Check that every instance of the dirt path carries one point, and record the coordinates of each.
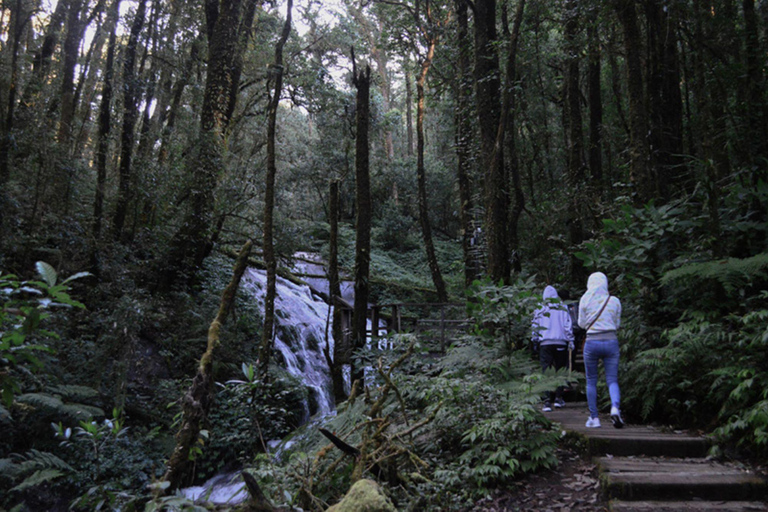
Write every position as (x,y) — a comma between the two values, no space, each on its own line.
(572,486)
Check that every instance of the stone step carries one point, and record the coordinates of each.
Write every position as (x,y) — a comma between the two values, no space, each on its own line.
(677,480)
(688,506)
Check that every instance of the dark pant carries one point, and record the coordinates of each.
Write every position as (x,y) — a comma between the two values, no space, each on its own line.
(553,356)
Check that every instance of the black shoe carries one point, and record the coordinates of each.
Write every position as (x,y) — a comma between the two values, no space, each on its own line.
(616,417)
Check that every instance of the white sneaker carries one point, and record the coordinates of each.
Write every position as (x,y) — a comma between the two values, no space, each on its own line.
(593,423)
(616,417)
(559,402)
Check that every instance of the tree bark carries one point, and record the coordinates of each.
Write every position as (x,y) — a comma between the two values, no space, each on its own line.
(269,200)
(341,348)
(487,97)
(464,143)
(18,21)
(639,152)
(508,132)
(130,114)
(426,229)
(189,246)
(664,97)
(362,82)
(70,49)
(576,168)
(105,123)
(197,402)
(408,111)
(595,100)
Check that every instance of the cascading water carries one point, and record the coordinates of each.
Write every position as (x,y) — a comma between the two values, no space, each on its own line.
(300,336)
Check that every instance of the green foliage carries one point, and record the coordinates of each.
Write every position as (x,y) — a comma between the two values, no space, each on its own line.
(634,244)
(719,287)
(248,413)
(26,306)
(504,312)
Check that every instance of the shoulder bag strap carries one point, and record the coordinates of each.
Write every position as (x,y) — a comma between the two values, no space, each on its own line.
(593,322)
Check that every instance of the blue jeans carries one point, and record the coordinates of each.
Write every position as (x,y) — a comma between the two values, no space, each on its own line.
(608,351)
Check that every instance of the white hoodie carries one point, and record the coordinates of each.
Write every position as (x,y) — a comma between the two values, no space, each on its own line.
(593,300)
(551,322)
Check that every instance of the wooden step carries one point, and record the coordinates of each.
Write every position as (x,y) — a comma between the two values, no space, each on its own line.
(678,479)
(627,441)
(687,506)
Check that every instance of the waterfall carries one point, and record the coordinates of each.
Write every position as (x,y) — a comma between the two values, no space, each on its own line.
(300,331)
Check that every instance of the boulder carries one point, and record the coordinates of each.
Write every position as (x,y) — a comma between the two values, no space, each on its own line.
(364,496)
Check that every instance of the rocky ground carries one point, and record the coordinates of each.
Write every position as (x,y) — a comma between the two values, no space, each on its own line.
(572,486)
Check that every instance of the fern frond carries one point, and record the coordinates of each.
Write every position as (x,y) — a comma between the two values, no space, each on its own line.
(82,412)
(731,273)
(38,477)
(8,469)
(53,404)
(36,460)
(75,393)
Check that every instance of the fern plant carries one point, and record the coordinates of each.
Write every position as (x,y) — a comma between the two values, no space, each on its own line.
(31,469)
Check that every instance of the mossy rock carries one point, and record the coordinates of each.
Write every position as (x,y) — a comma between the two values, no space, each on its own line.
(364,496)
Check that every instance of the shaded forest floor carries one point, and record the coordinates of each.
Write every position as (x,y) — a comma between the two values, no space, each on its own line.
(572,486)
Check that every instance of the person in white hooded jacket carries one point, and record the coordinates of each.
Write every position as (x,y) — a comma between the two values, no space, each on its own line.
(552,335)
(600,315)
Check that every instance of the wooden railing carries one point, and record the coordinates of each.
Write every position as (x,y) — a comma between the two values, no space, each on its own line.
(439,322)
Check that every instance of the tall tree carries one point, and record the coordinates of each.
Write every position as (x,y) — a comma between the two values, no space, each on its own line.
(639,152)
(19,18)
(228,21)
(507,132)
(270,259)
(594,94)
(464,131)
(487,98)
(664,97)
(105,122)
(130,114)
(341,349)
(574,136)
(363,209)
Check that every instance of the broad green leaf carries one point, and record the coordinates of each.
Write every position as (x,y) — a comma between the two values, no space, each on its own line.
(47,272)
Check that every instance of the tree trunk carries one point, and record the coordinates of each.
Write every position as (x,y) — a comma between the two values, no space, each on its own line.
(17,23)
(426,229)
(341,349)
(197,402)
(464,143)
(487,97)
(575,173)
(408,110)
(508,132)
(639,152)
(595,101)
(105,123)
(755,104)
(70,51)
(362,82)
(130,114)
(269,200)
(189,246)
(664,96)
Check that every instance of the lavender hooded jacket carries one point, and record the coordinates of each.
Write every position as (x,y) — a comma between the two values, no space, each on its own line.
(551,322)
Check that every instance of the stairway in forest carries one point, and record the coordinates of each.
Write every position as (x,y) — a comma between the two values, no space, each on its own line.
(644,468)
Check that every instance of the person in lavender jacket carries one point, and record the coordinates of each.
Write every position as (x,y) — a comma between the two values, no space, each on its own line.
(600,314)
(552,335)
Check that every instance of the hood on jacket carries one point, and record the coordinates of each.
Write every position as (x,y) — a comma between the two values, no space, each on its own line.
(550,293)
